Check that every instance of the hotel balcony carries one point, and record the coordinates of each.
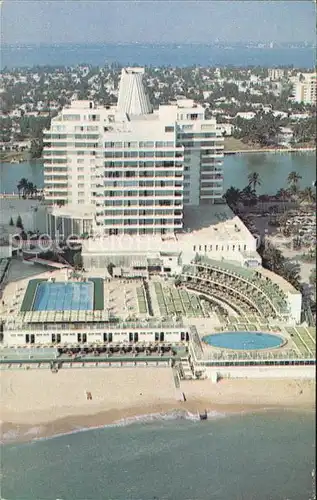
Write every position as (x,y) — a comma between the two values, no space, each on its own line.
(52,182)
(211,179)
(62,189)
(178,225)
(54,173)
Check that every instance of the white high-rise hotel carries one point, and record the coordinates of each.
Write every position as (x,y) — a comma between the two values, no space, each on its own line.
(131,167)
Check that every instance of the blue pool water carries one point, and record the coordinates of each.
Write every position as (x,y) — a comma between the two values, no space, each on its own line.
(244,341)
(64,297)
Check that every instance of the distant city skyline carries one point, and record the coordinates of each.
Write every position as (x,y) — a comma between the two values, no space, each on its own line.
(159,21)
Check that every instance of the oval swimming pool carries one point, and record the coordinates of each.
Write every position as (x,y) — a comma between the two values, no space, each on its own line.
(244,341)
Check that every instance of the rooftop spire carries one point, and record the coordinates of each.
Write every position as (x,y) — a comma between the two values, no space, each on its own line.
(133,98)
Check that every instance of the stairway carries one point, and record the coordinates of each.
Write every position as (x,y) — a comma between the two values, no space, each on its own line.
(186,369)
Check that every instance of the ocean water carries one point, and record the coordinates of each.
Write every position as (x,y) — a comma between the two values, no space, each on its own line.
(273,169)
(263,456)
(154,55)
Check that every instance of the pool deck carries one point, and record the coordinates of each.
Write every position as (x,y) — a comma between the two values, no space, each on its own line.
(119,296)
(260,345)
(121,300)
(300,341)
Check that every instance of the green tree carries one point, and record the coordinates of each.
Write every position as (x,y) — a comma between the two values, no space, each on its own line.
(232,196)
(11,223)
(36,148)
(30,189)
(19,223)
(293,178)
(284,195)
(262,129)
(248,196)
(22,186)
(254,180)
(305,130)
(293,183)
(273,259)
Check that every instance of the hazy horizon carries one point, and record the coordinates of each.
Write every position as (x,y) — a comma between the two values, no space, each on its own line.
(29,22)
(222,42)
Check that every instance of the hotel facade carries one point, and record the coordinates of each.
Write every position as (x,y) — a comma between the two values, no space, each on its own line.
(129,169)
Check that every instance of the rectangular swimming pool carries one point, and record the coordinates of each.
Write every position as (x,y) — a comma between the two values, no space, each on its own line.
(64,297)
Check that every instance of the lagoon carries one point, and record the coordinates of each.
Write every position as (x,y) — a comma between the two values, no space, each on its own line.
(273,169)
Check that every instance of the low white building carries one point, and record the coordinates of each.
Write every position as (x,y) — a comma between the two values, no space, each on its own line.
(246,115)
(225,128)
(216,233)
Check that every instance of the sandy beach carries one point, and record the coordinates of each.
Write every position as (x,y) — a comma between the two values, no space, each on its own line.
(38,403)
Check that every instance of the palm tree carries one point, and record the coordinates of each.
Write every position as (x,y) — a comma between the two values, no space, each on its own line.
(31,189)
(293,178)
(283,194)
(22,186)
(254,180)
(294,190)
(248,196)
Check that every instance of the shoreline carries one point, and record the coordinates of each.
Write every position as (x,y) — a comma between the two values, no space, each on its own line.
(276,150)
(38,404)
(18,433)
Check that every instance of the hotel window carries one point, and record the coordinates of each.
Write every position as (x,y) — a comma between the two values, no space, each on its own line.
(71,117)
(169,129)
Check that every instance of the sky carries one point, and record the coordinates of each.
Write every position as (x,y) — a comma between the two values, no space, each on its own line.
(82,21)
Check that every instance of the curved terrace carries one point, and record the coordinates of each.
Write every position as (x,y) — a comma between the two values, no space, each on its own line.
(246,290)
